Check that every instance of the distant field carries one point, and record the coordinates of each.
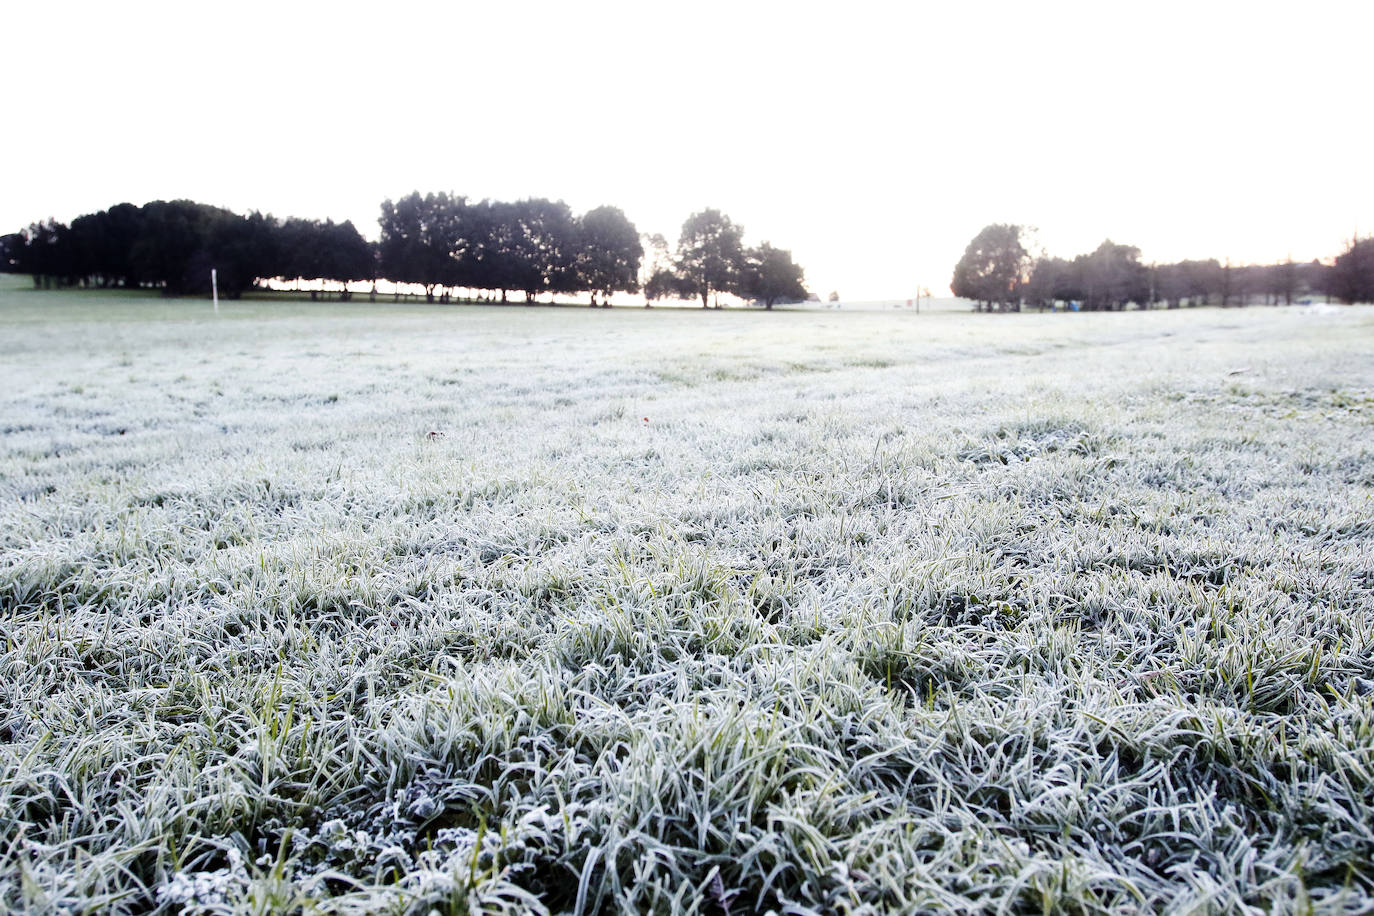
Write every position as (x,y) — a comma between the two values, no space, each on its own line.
(369,609)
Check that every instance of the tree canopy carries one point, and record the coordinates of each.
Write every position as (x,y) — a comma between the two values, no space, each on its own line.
(993,267)
(1353,274)
(996,271)
(710,254)
(314,250)
(770,275)
(608,252)
(439,241)
(169,245)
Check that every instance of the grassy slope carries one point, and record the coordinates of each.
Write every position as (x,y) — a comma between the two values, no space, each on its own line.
(874,611)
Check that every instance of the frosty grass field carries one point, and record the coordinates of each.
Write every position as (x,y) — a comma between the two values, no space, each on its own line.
(354,608)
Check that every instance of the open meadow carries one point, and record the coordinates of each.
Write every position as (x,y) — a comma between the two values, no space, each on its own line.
(355,608)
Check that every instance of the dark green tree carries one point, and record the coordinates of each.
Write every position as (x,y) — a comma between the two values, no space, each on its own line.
(664,283)
(545,247)
(710,255)
(1200,280)
(1051,280)
(993,268)
(770,275)
(1283,281)
(398,248)
(86,239)
(47,254)
(104,243)
(348,256)
(1318,279)
(499,252)
(421,240)
(11,252)
(1113,276)
(1352,280)
(608,253)
(1171,284)
(240,249)
(299,249)
(314,250)
(171,236)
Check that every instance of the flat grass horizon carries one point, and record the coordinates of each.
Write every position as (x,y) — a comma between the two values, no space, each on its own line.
(354,608)
(21,285)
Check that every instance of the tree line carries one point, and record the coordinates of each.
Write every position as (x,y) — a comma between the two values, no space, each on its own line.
(999,272)
(442,242)
(173,245)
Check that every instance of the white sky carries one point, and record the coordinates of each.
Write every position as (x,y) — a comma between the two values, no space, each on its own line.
(872,139)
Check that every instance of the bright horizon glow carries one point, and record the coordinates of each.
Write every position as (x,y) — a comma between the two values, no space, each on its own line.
(872,144)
